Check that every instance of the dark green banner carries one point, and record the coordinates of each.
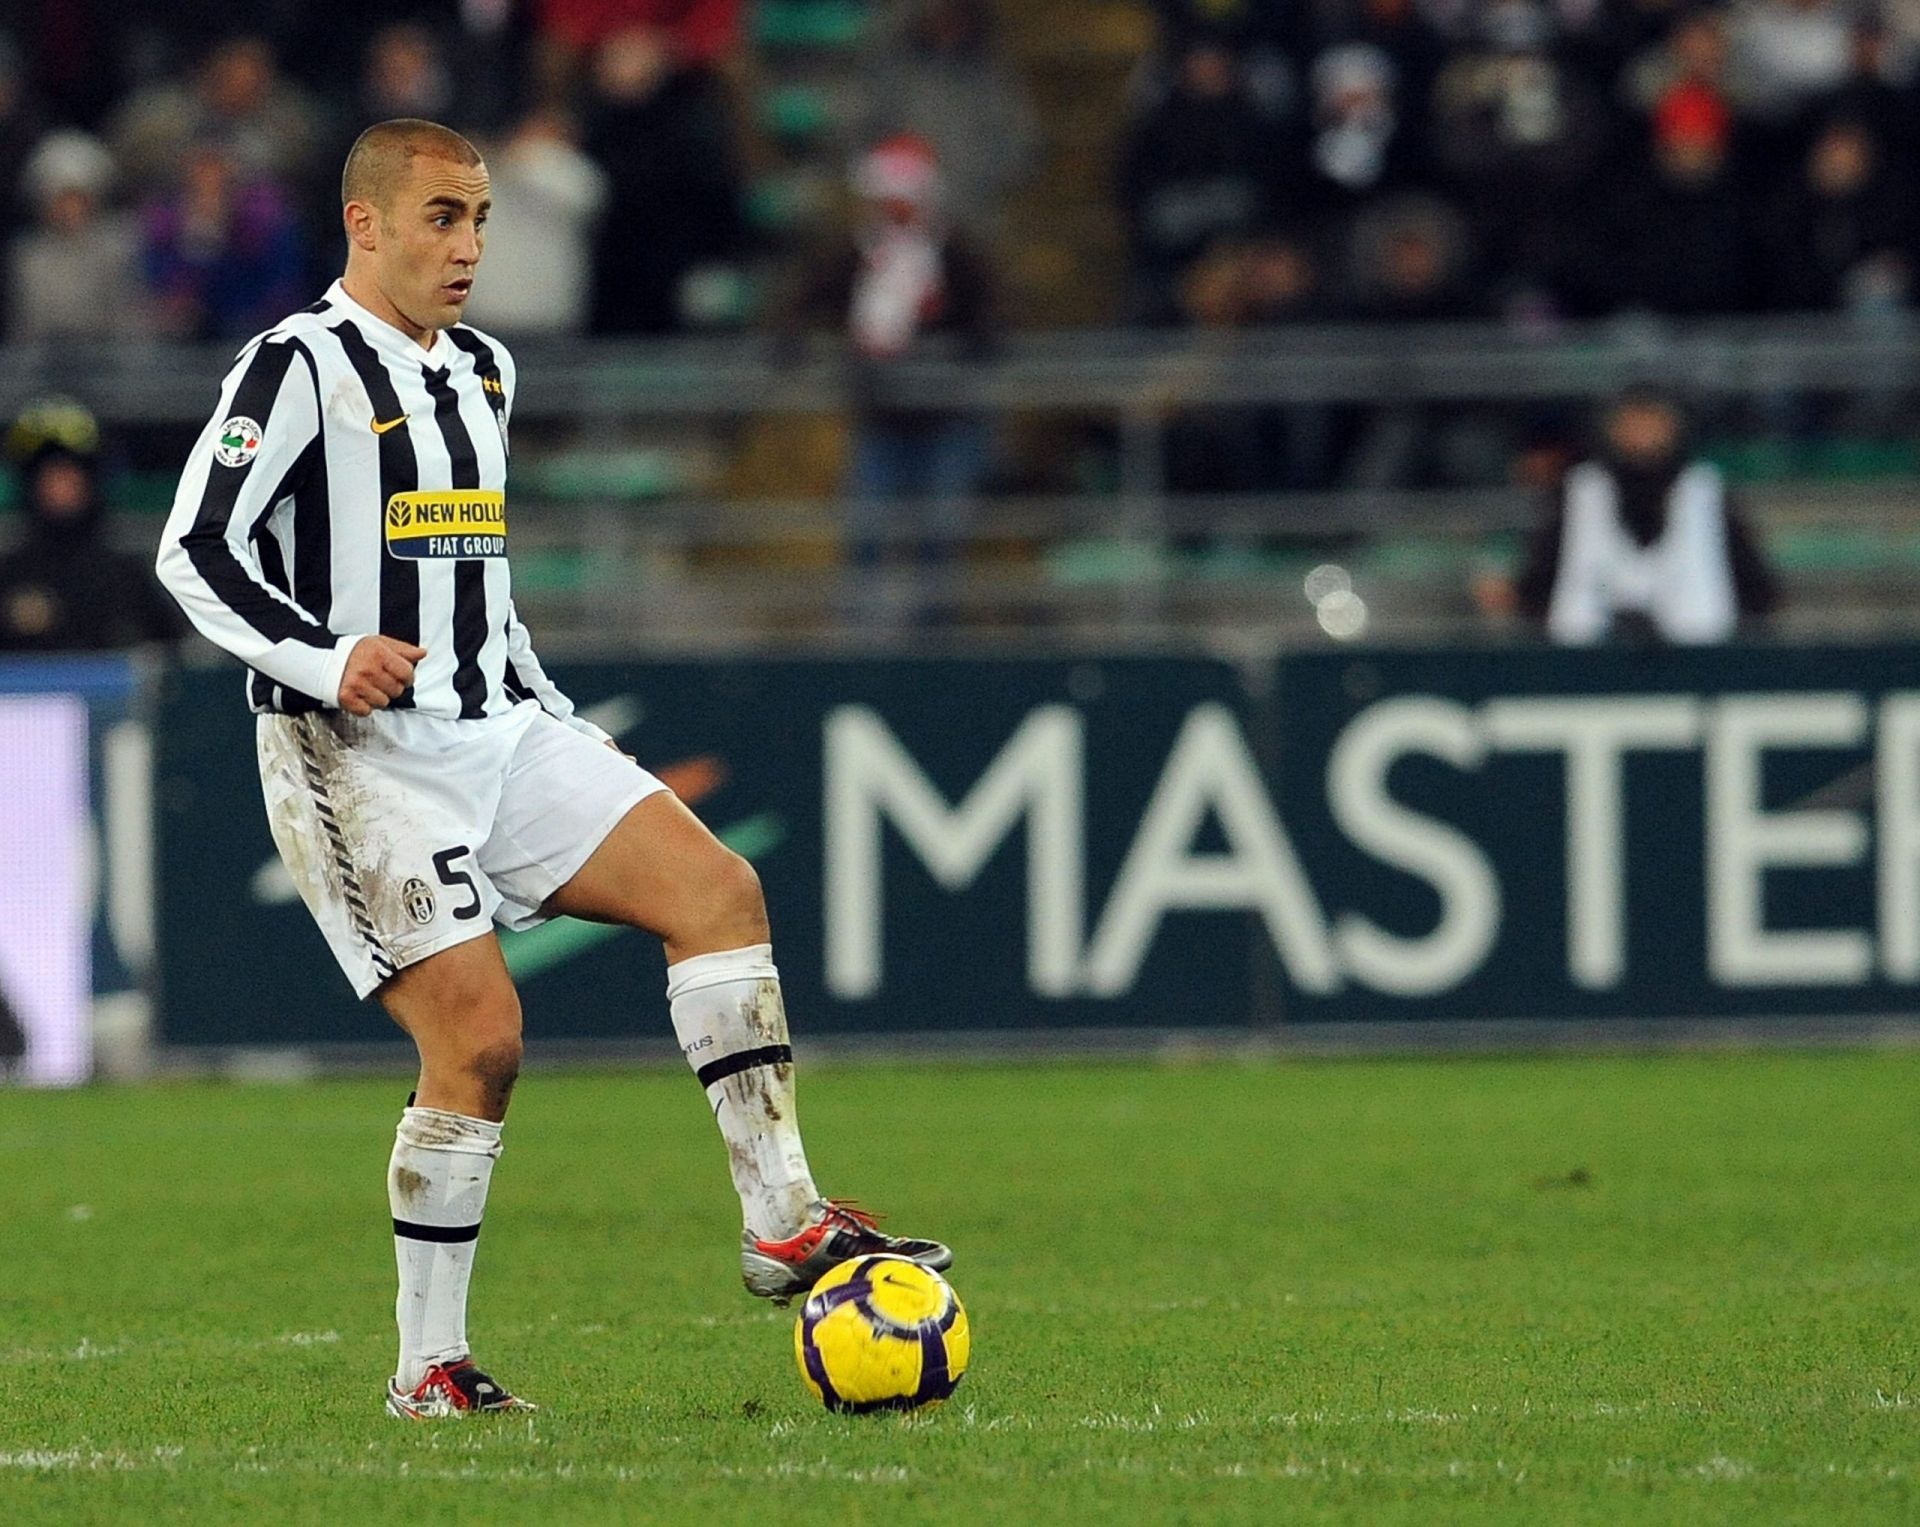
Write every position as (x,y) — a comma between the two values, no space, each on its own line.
(938,841)
(1607,834)
(954,846)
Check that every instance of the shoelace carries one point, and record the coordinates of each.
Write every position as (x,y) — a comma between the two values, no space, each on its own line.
(467,1378)
(849,1209)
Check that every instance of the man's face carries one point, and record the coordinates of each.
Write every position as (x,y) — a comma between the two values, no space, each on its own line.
(61,489)
(1644,432)
(429,237)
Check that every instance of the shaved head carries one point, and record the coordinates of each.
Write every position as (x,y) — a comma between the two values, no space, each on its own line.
(382,157)
(414,203)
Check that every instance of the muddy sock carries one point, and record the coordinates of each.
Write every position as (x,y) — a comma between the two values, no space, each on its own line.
(732,1027)
(437,1188)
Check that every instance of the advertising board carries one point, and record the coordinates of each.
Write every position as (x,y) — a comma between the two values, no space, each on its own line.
(1123,842)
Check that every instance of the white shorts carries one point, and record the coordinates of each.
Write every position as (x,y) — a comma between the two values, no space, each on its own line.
(407,834)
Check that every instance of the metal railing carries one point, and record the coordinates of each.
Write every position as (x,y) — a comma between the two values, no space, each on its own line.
(1101,370)
(696,566)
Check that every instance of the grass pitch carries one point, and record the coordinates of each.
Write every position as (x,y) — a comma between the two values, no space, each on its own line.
(1573,1290)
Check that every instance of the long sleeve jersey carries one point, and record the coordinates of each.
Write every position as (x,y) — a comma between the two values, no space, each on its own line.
(352,482)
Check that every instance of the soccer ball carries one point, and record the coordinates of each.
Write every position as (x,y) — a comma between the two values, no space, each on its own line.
(881,1333)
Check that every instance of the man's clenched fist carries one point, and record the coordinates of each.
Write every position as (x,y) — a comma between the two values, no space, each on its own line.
(379,669)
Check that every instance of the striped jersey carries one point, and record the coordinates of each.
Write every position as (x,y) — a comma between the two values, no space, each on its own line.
(351,483)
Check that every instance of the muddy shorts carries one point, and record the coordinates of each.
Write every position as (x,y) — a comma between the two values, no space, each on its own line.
(407,834)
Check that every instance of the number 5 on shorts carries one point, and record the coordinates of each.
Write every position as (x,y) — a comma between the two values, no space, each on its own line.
(449,876)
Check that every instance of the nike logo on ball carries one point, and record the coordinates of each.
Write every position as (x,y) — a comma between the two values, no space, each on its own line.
(380,428)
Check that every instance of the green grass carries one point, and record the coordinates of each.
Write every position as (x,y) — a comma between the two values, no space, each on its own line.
(1575,1290)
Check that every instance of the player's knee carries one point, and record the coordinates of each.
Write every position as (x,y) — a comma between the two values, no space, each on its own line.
(495,1065)
(722,907)
(490,1031)
(738,905)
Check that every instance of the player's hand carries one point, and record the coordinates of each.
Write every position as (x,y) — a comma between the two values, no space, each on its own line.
(379,669)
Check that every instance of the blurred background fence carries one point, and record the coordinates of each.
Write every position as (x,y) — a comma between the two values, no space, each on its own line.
(664,492)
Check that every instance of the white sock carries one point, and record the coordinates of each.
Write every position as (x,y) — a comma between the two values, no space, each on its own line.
(732,1027)
(437,1187)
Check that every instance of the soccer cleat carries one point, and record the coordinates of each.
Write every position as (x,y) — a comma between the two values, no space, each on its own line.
(451,1389)
(838,1232)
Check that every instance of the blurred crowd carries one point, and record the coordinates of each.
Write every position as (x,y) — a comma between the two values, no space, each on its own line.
(174,171)
(171,170)
(1431,159)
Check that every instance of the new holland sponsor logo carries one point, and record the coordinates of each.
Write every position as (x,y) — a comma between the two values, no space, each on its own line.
(469,522)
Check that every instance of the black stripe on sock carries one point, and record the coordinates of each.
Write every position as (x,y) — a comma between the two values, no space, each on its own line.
(444,1234)
(743,1060)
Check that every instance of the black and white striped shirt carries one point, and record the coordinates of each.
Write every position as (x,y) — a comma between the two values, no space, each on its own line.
(352,483)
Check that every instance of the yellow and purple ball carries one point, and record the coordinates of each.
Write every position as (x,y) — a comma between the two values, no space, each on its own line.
(881,1333)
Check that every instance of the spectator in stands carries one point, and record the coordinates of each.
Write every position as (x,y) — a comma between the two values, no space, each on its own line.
(1675,237)
(224,255)
(404,71)
(76,273)
(237,98)
(690,35)
(1521,137)
(1693,56)
(1841,233)
(907,277)
(1243,26)
(1881,92)
(1268,280)
(660,129)
(469,55)
(547,198)
(1268,40)
(1410,260)
(1196,168)
(406,75)
(936,72)
(1405,32)
(1786,53)
(65,589)
(1360,145)
(1644,539)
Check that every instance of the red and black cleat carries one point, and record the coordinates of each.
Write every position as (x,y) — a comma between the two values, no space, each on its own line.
(451,1389)
(838,1231)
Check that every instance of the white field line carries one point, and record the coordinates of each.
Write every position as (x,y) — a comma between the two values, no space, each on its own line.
(1319,1468)
(89,1460)
(88,1350)
(1156,1420)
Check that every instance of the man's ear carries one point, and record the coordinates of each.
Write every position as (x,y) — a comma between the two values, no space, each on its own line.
(358,218)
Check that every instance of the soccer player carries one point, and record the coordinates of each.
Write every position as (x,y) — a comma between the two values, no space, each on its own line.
(341,528)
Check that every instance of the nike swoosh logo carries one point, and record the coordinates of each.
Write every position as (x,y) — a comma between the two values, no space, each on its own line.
(381,429)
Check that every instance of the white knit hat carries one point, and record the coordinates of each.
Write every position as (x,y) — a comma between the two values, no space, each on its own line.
(68,160)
